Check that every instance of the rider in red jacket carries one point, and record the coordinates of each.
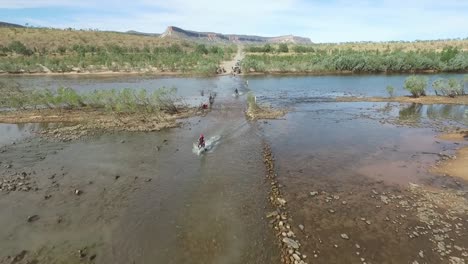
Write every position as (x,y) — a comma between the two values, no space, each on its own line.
(201,141)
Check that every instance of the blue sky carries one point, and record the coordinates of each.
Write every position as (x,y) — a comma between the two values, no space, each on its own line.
(320,20)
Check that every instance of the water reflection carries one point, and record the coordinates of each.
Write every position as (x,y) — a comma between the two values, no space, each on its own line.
(413,113)
(416,112)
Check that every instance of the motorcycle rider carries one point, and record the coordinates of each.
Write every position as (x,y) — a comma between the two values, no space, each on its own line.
(201,141)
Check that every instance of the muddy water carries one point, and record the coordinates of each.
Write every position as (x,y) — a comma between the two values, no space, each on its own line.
(147,198)
(206,209)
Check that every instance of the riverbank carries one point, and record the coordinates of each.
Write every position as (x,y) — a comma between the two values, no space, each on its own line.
(430,99)
(109,73)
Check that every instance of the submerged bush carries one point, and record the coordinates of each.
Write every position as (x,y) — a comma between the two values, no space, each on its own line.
(449,87)
(416,85)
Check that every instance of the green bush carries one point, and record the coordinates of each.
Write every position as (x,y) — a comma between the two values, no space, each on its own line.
(416,85)
(19,48)
(201,48)
(451,87)
(390,91)
(283,47)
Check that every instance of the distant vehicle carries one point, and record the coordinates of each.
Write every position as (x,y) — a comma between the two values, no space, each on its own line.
(236,69)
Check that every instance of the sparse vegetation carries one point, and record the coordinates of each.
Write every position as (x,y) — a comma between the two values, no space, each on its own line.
(254,111)
(252,101)
(416,85)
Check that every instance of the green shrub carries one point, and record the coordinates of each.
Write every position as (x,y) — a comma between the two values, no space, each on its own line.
(451,87)
(416,85)
(19,48)
(390,91)
(283,47)
(201,48)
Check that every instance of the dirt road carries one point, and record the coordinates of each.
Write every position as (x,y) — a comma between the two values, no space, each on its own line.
(228,65)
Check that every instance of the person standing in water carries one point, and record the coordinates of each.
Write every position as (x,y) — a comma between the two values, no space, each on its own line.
(236,92)
(211,99)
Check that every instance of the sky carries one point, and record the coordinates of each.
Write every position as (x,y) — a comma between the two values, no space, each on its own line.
(320,20)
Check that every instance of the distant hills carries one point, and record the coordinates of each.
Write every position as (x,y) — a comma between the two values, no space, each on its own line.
(176,32)
(179,33)
(5,24)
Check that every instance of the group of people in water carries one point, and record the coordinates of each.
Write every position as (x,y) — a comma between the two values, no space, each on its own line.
(201,139)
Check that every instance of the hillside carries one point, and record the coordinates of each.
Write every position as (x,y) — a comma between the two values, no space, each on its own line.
(5,24)
(53,39)
(175,32)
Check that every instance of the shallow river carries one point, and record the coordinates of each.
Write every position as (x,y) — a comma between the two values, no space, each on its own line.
(169,205)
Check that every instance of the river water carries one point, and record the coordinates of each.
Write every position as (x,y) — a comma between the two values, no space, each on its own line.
(172,206)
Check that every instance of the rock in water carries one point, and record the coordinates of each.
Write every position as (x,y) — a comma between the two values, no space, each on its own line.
(33,218)
(345,236)
(291,243)
(281,201)
(384,199)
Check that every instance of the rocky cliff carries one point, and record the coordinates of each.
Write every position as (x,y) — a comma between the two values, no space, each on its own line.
(176,32)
